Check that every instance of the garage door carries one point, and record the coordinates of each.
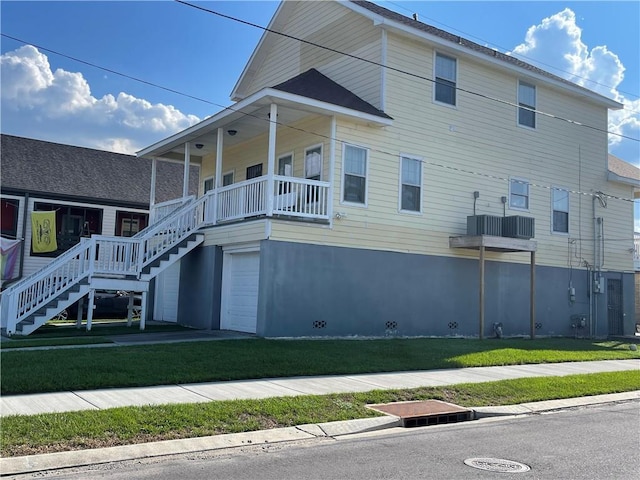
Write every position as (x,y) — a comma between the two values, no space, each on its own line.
(240,279)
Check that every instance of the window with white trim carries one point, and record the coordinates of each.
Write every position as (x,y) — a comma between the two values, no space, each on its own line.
(227,178)
(445,76)
(527,105)
(208,184)
(313,163)
(354,182)
(560,210)
(285,165)
(410,184)
(519,194)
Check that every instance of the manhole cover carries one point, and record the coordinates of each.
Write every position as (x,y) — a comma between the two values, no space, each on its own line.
(497,465)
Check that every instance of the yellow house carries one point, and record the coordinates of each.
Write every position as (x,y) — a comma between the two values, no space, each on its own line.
(378,176)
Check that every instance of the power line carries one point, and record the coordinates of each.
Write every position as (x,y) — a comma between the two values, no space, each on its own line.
(404,72)
(505,49)
(320,135)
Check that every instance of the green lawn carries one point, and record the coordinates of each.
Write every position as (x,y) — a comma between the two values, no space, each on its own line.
(28,435)
(160,364)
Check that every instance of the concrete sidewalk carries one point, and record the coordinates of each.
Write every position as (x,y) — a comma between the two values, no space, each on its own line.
(287,387)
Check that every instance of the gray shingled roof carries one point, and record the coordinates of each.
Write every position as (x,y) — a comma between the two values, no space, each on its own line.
(313,84)
(45,168)
(410,22)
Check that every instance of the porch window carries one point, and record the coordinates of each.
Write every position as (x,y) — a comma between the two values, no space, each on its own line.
(527,103)
(227,178)
(355,174)
(9,217)
(445,75)
(208,184)
(130,223)
(410,184)
(313,163)
(560,213)
(519,194)
(285,165)
(254,171)
(72,223)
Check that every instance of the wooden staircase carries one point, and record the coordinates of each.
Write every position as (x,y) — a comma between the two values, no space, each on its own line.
(101,263)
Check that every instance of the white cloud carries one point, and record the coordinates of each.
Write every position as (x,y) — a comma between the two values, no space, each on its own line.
(58,106)
(557,41)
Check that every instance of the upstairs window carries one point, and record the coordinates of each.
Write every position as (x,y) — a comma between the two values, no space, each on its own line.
(285,165)
(560,206)
(354,183)
(519,194)
(410,184)
(527,103)
(313,163)
(445,74)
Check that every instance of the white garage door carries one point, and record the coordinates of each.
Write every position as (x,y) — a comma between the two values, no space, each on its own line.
(240,278)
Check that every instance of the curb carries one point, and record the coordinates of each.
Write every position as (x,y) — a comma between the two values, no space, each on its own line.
(81,458)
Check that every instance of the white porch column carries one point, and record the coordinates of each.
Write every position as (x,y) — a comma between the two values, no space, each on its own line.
(332,167)
(271,159)
(218,178)
(187,159)
(219,147)
(152,193)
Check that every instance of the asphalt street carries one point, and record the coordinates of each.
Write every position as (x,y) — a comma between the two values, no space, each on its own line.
(593,442)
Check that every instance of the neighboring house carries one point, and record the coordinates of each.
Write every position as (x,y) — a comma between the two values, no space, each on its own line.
(625,173)
(91,191)
(335,193)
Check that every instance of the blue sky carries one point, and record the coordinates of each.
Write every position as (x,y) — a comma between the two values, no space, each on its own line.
(47,96)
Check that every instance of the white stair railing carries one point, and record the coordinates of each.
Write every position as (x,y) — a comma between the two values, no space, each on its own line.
(33,292)
(97,256)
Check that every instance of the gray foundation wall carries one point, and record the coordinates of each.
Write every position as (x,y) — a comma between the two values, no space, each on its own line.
(200,287)
(313,290)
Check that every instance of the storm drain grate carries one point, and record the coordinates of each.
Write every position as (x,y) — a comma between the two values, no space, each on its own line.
(425,413)
(319,324)
(391,325)
(497,465)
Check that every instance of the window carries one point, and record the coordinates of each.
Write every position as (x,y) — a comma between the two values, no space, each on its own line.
(208,184)
(130,223)
(313,163)
(355,174)
(9,217)
(72,223)
(445,84)
(560,206)
(227,178)
(254,171)
(410,184)
(285,165)
(519,194)
(527,101)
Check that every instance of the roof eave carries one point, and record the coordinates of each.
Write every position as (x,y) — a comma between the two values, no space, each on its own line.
(274,96)
(614,177)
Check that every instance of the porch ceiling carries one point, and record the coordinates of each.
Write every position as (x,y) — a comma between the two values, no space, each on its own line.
(248,118)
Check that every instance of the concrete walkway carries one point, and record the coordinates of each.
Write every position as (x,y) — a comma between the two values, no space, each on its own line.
(287,387)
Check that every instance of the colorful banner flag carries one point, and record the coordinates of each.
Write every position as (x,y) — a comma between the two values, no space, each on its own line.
(9,258)
(43,232)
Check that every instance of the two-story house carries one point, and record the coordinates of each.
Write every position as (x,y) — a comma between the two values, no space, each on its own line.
(335,192)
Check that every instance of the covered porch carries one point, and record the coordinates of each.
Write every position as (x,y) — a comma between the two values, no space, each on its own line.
(271,154)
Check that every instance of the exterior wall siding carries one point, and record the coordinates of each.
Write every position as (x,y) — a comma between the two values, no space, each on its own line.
(200,287)
(358,292)
(331,25)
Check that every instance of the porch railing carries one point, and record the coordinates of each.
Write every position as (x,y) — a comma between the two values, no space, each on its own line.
(164,209)
(295,197)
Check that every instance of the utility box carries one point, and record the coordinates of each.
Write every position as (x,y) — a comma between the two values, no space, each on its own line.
(484,225)
(517,226)
(579,321)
